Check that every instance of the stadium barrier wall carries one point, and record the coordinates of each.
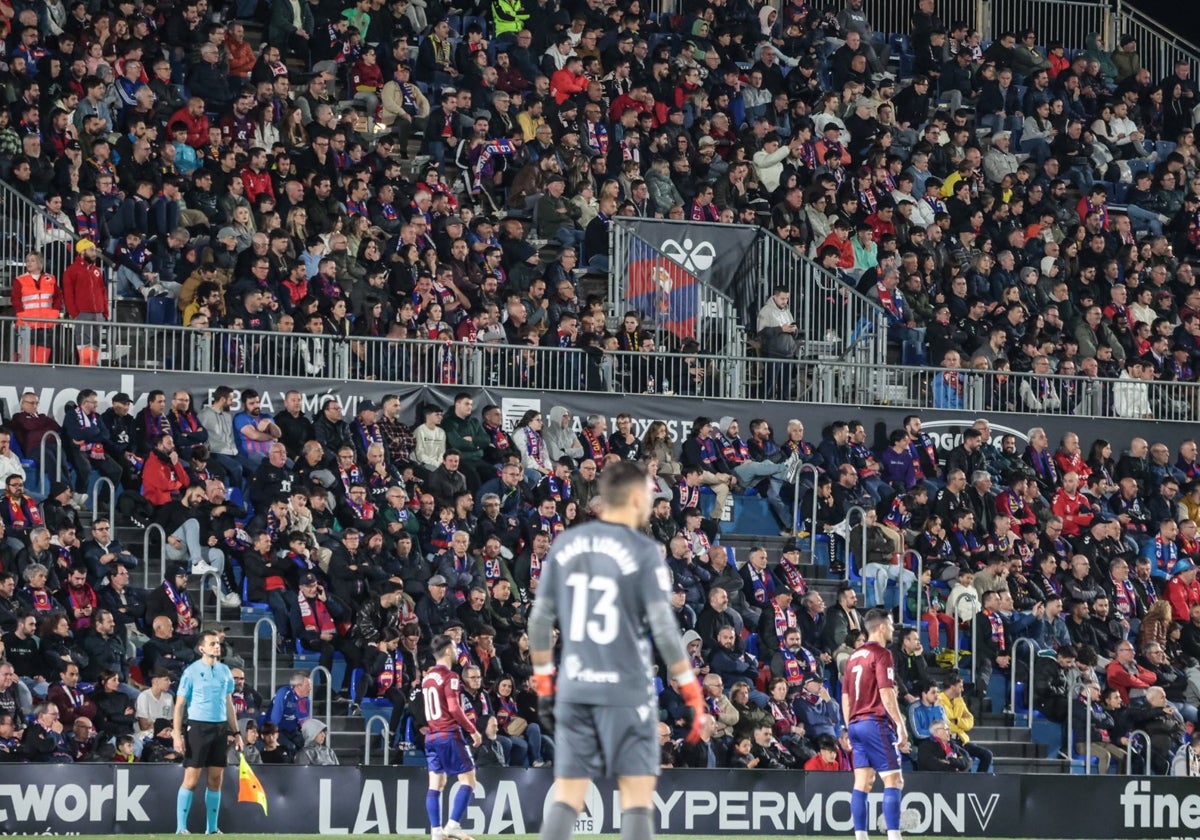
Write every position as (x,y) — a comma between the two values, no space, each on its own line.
(58,386)
(140,799)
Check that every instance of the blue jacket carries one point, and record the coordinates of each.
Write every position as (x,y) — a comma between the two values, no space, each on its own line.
(289,711)
(921,717)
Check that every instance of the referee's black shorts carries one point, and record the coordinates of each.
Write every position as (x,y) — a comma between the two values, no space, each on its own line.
(206,744)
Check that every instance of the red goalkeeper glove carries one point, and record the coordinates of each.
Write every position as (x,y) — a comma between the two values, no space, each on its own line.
(698,711)
(544,686)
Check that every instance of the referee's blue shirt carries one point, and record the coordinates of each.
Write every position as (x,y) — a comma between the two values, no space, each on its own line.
(206,687)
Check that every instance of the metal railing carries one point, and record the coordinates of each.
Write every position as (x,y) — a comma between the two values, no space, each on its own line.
(312,676)
(833,321)
(205,579)
(101,482)
(58,460)
(903,595)
(862,554)
(1158,46)
(386,731)
(1067,22)
(1012,691)
(1144,737)
(671,296)
(812,522)
(274,652)
(823,381)
(958,635)
(162,539)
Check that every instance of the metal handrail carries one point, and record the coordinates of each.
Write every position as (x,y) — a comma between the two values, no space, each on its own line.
(958,637)
(920,574)
(1012,693)
(1145,737)
(862,557)
(274,651)
(1087,741)
(150,529)
(812,534)
(217,578)
(312,675)
(974,640)
(112,499)
(386,732)
(1073,682)
(58,462)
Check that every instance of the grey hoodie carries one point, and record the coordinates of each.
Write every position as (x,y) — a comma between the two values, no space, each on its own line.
(314,753)
(560,441)
(252,751)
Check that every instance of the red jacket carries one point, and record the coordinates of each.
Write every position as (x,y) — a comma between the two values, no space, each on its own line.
(257,183)
(1122,680)
(1075,511)
(846,247)
(197,127)
(84,289)
(564,84)
(162,481)
(1182,597)
(366,78)
(241,59)
(1073,463)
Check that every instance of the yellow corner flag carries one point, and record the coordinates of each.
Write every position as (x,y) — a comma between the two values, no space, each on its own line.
(249,787)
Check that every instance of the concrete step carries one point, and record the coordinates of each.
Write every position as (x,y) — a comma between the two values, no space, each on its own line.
(1012,749)
(1011,734)
(1025,766)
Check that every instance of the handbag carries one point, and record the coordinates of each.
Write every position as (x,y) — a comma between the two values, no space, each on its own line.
(516,726)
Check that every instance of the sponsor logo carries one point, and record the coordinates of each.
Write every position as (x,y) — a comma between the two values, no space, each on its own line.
(694,257)
(591,818)
(574,671)
(1142,808)
(74,803)
(947,434)
(512,409)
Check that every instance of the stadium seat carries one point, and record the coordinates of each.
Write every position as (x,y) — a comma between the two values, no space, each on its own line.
(751,515)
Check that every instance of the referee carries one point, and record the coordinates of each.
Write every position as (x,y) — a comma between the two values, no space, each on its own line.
(206,689)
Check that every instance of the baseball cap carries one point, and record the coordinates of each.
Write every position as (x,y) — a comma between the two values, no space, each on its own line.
(121,397)
(226,233)
(307,579)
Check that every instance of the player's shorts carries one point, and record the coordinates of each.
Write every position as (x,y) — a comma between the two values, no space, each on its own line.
(447,752)
(206,744)
(595,741)
(875,745)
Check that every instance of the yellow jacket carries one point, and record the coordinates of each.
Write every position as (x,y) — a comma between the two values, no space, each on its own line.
(959,716)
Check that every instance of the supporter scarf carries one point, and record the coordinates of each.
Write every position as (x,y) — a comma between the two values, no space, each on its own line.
(442,534)
(1182,373)
(506,709)
(410,100)
(87,225)
(356,208)
(42,602)
(896,517)
(997,629)
(703,213)
(552,526)
(499,146)
(802,448)
(535,567)
(316,616)
(688,496)
(597,137)
(274,525)
(1100,210)
(597,446)
(784,619)
(350,477)
(796,666)
(698,540)
(498,437)
(80,599)
(493,569)
(733,451)
(862,453)
(708,451)
(24,513)
(183,607)
(935,204)
(631,341)
(463,656)
(1016,505)
(1124,596)
(369,435)
(533,444)
(448,366)
(1165,554)
(953,382)
(965,539)
(187,421)
(73,694)
(867,201)
(784,715)
(560,491)
(90,449)
(763,585)
(794,578)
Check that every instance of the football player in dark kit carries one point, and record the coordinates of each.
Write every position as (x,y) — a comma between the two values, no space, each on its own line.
(607,587)
(875,723)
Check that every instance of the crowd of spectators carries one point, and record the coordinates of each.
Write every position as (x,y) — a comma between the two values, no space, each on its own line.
(366,537)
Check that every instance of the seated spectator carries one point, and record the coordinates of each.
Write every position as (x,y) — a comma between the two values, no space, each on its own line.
(290,709)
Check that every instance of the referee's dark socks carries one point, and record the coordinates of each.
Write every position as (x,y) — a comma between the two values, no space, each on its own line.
(637,824)
(560,822)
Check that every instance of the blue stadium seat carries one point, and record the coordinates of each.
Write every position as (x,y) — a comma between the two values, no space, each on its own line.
(752,644)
